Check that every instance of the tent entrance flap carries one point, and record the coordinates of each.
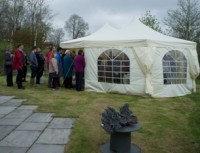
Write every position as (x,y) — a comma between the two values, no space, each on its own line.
(144,57)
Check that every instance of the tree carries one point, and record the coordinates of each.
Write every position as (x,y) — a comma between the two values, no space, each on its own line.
(56,36)
(2,6)
(25,21)
(184,22)
(14,16)
(76,26)
(3,29)
(37,19)
(151,21)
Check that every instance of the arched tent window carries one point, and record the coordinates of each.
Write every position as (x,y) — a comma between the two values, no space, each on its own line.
(174,68)
(113,67)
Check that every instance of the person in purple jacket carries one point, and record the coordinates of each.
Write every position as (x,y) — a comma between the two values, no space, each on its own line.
(33,65)
(79,63)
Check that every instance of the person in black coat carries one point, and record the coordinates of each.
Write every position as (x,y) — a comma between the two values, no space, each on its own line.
(26,63)
(41,61)
(8,66)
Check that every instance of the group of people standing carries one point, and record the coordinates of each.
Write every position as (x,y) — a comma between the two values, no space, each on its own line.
(65,64)
(19,62)
(61,66)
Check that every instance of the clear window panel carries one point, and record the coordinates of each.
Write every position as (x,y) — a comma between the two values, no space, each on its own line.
(113,67)
(174,68)
(101,79)
(101,68)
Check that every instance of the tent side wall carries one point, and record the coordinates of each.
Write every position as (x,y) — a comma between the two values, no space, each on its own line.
(136,85)
(168,90)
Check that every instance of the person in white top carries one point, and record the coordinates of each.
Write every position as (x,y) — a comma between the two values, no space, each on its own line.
(53,70)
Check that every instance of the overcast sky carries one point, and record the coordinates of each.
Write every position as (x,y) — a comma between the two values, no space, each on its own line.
(117,13)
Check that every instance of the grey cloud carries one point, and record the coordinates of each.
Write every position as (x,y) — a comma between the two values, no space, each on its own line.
(115,12)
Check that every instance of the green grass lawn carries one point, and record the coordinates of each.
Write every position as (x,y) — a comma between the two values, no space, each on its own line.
(169,125)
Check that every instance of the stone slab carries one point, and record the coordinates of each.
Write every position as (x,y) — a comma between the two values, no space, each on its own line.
(13,150)
(5,130)
(40,117)
(4,99)
(1,116)
(32,126)
(17,100)
(20,139)
(61,123)
(19,114)
(28,107)
(40,148)
(6,109)
(12,104)
(54,136)
(11,121)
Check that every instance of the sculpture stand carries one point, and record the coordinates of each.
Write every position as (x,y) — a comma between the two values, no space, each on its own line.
(120,141)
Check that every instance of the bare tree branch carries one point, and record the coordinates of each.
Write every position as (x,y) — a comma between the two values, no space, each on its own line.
(184,22)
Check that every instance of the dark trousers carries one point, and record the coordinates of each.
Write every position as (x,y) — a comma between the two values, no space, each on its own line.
(68,82)
(19,78)
(9,79)
(24,73)
(79,80)
(33,71)
(55,82)
(50,80)
(39,74)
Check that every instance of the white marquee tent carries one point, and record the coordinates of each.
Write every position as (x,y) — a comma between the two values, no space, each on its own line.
(138,60)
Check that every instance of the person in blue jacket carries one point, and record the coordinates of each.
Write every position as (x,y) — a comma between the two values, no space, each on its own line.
(60,63)
(67,69)
(8,66)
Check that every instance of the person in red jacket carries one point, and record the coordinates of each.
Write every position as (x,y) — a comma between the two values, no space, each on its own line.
(18,64)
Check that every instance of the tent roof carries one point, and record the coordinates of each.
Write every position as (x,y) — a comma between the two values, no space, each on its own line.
(134,34)
(99,35)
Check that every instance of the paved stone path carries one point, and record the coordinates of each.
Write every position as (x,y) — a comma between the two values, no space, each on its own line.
(22,131)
